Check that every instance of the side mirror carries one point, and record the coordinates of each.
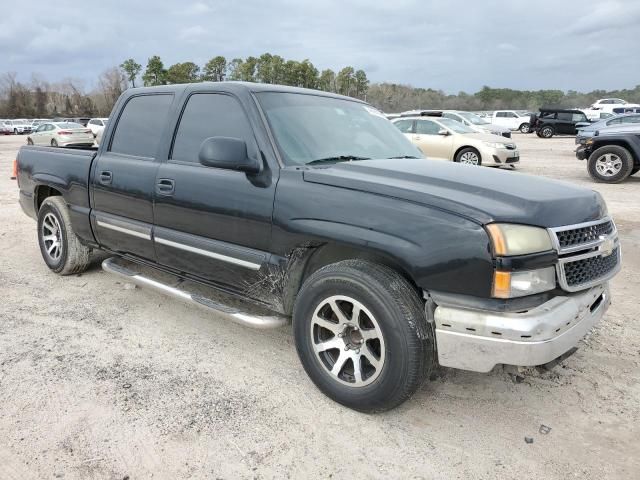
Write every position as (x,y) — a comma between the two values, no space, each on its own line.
(229,153)
(443,131)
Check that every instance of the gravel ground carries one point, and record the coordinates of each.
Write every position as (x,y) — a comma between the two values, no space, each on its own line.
(101,381)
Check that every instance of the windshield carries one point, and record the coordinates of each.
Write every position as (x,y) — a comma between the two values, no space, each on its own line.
(473,118)
(454,125)
(309,128)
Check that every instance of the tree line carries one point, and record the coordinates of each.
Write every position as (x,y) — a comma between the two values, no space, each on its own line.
(41,98)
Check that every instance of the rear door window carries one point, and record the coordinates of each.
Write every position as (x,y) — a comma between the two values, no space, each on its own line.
(427,127)
(405,126)
(565,116)
(209,115)
(141,125)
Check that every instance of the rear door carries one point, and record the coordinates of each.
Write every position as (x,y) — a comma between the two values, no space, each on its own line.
(124,176)
(212,222)
(564,123)
(432,144)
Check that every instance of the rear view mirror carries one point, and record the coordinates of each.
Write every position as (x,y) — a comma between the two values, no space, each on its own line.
(229,153)
(443,131)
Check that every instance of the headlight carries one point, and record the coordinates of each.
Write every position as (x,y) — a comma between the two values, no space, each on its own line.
(495,145)
(510,239)
(520,284)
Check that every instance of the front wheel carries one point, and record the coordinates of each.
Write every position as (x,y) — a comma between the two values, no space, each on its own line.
(524,128)
(362,336)
(610,164)
(60,247)
(469,156)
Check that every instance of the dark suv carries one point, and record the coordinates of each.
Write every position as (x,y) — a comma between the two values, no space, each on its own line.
(551,121)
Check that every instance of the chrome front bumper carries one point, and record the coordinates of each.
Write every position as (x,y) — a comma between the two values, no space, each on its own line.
(478,340)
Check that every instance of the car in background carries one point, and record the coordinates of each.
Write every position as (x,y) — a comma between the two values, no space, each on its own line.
(586,131)
(552,121)
(609,105)
(442,138)
(81,120)
(510,119)
(20,126)
(6,128)
(61,134)
(96,125)
(471,120)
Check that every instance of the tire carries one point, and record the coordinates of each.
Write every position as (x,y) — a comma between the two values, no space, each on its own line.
(29,141)
(524,128)
(547,131)
(15,131)
(398,349)
(54,142)
(610,164)
(634,170)
(469,156)
(70,256)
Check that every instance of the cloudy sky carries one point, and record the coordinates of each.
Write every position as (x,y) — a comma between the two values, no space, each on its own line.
(445,44)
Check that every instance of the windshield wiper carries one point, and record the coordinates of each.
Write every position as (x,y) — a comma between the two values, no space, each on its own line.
(402,156)
(338,158)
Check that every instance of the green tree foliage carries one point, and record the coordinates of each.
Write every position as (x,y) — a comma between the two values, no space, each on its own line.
(345,81)
(131,69)
(215,69)
(187,72)
(361,83)
(327,81)
(155,74)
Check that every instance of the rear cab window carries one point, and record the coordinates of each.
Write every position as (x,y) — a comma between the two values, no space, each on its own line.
(141,124)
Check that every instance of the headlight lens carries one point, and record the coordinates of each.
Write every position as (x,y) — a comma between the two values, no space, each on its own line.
(510,239)
(520,284)
(495,145)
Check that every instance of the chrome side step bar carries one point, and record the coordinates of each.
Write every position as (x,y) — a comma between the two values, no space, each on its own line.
(110,265)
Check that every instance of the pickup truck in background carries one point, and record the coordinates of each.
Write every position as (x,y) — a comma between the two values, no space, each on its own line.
(510,119)
(315,209)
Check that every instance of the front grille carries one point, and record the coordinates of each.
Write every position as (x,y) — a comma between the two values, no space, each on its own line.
(583,235)
(590,269)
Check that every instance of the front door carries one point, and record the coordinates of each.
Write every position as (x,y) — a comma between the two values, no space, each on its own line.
(211,222)
(124,174)
(431,142)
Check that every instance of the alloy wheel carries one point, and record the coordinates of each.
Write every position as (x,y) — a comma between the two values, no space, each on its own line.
(608,165)
(52,237)
(347,341)
(470,158)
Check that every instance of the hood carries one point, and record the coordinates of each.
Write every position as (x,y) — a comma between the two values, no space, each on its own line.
(480,194)
(489,137)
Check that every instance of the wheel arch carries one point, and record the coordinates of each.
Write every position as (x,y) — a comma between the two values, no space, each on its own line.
(42,192)
(304,260)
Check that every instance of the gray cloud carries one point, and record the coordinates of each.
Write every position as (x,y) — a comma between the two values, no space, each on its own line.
(455,45)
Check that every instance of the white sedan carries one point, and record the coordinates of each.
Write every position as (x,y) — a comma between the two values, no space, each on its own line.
(61,134)
(97,125)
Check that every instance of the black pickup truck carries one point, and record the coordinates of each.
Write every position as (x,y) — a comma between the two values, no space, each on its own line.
(316,207)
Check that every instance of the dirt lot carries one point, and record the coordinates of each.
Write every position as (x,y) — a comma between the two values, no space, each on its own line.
(101,381)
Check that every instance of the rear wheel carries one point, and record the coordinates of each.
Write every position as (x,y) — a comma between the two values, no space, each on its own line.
(469,156)
(362,336)
(524,128)
(60,247)
(547,132)
(610,164)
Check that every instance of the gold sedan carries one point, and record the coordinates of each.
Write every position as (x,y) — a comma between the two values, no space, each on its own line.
(445,139)
(61,134)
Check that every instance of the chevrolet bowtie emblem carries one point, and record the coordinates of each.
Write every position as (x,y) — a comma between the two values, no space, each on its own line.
(607,246)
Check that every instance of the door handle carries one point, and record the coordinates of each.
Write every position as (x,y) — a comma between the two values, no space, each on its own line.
(106,177)
(165,186)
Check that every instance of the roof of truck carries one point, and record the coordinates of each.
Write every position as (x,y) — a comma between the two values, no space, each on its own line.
(236,87)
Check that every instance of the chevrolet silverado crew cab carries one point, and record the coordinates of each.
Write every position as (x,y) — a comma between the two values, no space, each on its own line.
(316,209)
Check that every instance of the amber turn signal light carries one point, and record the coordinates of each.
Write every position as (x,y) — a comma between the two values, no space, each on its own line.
(501,284)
